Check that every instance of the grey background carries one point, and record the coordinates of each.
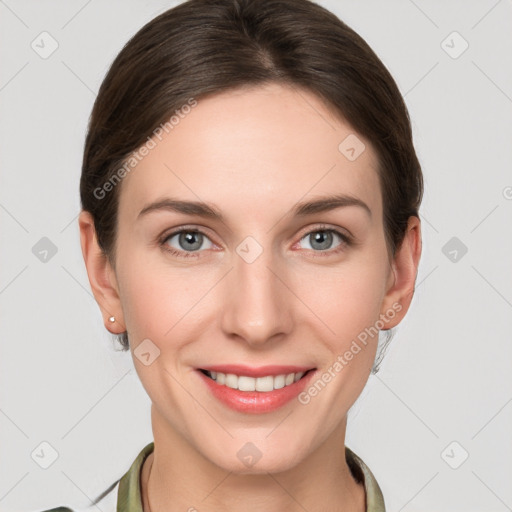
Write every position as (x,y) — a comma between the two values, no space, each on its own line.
(447,374)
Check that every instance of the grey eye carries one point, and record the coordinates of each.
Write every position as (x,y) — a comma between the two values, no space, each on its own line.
(188,241)
(320,240)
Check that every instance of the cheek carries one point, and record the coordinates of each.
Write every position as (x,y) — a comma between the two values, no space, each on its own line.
(347,298)
(348,302)
(158,299)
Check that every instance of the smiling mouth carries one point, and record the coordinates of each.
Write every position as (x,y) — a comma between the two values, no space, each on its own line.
(264,384)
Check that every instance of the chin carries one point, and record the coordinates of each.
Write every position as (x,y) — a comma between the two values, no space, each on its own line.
(249,459)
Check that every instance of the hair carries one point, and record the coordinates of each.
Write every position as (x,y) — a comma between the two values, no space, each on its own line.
(204,47)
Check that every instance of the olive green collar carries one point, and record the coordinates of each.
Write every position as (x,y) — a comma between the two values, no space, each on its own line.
(128,495)
(129,498)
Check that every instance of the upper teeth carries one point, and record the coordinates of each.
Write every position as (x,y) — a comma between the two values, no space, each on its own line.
(244,383)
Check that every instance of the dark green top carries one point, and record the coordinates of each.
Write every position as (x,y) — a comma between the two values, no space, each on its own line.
(127,489)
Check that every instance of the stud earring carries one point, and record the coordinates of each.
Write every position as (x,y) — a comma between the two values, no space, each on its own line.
(112,319)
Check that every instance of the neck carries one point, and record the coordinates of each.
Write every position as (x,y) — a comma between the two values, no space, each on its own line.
(176,477)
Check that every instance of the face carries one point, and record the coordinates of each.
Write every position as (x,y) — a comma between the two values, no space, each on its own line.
(257,284)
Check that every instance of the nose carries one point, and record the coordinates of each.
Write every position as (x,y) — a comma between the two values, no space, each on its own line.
(257,305)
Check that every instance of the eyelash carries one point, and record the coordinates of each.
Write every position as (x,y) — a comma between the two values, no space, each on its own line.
(346,241)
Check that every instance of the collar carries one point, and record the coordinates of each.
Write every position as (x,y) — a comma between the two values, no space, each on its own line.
(129,498)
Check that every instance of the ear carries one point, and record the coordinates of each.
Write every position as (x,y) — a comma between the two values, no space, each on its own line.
(402,279)
(101,275)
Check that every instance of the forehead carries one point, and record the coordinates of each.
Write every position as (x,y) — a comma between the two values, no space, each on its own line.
(254,148)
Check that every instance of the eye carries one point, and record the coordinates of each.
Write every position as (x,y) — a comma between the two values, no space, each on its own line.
(322,239)
(186,241)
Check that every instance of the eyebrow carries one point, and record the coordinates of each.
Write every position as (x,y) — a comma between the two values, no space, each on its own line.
(208,210)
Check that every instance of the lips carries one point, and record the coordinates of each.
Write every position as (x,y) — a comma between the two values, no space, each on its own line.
(255,390)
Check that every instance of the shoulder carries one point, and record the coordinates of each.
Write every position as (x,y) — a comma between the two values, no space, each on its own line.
(106,502)
(362,474)
(58,509)
(124,490)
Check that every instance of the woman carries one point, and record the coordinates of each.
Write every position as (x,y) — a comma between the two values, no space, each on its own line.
(250,196)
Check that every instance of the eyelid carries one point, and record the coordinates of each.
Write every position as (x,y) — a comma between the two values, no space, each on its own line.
(327,227)
(187,228)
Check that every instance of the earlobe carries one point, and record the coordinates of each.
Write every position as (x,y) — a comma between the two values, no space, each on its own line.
(101,276)
(404,268)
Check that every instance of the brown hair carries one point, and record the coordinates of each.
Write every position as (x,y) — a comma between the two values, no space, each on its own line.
(202,47)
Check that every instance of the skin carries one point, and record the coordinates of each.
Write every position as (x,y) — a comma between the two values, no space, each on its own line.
(254,153)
